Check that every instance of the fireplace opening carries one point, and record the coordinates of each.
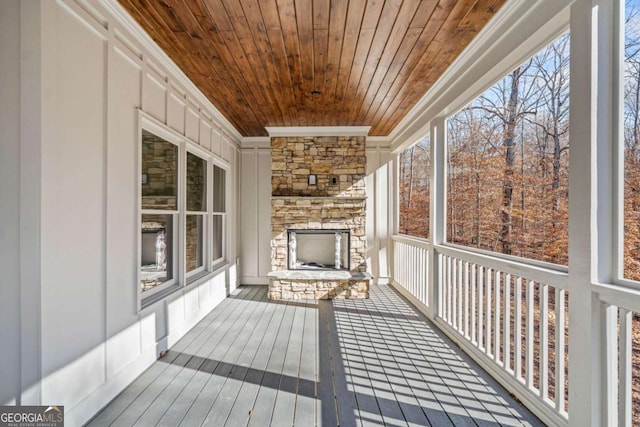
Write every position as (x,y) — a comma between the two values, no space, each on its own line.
(318,249)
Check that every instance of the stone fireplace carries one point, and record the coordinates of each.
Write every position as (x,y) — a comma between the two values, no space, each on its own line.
(318,216)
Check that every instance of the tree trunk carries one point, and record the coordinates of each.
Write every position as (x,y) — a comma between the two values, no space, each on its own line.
(509,161)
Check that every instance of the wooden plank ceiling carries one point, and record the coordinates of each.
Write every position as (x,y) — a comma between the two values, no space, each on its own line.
(313,62)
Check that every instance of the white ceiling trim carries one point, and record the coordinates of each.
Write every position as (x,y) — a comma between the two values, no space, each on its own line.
(318,131)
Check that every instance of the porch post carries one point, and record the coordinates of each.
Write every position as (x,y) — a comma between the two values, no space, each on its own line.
(437,209)
(590,209)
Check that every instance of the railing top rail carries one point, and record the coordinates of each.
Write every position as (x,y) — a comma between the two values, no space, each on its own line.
(555,277)
(621,296)
(411,240)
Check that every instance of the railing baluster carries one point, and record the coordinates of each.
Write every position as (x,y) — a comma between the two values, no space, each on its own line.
(412,271)
(416,271)
(465,312)
(420,272)
(474,295)
(530,340)
(454,293)
(442,300)
(507,323)
(488,275)
(560,345)
(427,282)
(610,352)
(460,298)
(544,341)
(449,291)
(518,329)
(425,277)
(625,370)
(480,272)
(496,316)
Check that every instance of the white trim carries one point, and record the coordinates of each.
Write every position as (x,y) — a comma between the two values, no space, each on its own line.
(129,24)
(318,131)
(254,280)
(380,142)
(255,142)
(264,142)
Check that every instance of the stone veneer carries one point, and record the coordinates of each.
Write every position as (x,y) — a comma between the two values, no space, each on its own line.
(296,204)
(294,159)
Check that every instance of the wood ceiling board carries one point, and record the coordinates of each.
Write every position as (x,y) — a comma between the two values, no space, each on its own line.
(289,28)
(304,22)
(271,22)
(259,60)
(273,78)
(241,38)
(355,15)
(206,72)
(386,23)
(445,46)
(415,67)
(392,54)
(337,24)
(235,64)
(415,49)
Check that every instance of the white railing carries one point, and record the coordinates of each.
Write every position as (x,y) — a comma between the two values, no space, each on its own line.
(411,266)
(622,359)
(511,316)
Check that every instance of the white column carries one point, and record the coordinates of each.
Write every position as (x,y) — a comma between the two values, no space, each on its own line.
(590,208)
(438,207)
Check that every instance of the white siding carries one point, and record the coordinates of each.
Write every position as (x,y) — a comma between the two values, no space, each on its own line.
(10,201)
(255,215)
(73,80)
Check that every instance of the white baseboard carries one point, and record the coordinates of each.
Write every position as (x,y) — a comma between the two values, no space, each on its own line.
(254,280)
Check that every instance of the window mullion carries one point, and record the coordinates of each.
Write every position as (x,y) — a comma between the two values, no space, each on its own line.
(182,220)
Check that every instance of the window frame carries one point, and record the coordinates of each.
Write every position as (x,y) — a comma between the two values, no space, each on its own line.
(197,272)
(215,263)
(181,278)
(177,251)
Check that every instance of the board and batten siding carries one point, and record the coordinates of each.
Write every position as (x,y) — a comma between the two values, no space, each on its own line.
(75,76)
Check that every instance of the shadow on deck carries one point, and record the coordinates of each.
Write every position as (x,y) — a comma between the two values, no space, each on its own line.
(254,362)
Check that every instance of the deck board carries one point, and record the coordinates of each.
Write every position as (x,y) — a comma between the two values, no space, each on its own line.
(301,363)
(262,409)
(213,322)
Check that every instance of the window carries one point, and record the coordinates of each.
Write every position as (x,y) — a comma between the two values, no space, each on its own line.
(631,125)
(508,159)
(196,213)
(182,212)
(218,215)
(415,170)
(159,213)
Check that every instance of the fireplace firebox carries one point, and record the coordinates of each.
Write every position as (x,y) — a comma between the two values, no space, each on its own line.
(318,249)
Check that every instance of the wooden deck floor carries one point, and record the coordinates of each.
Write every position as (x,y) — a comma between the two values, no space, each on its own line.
(254,362)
